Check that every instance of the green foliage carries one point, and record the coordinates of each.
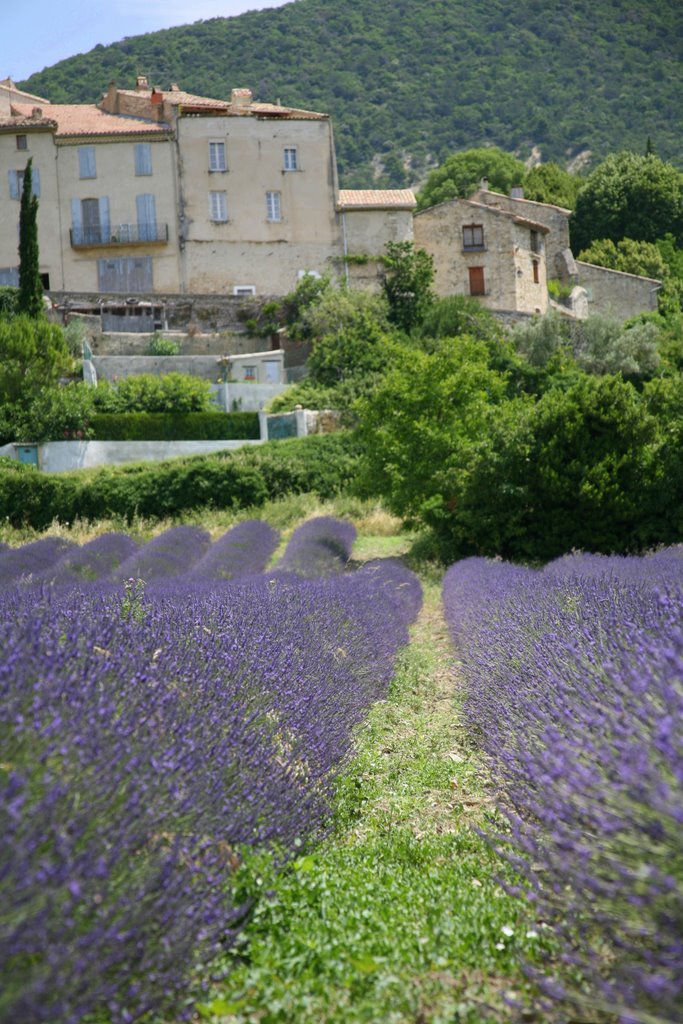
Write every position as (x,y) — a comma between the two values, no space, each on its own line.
(175,426)
(57,414)
(30,288)
(627,255)
(550,183)
(422,424)
(407,284)
(145,392)
(322,464)
(461,174)
(629,196)
(340,309)
(603,346)
(459,314)
(357,350)
(160,346)
(559,291)
(411,83)
(33,355)
(9,301)
(75,336)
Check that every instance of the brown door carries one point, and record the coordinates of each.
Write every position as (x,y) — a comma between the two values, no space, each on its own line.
(477,281)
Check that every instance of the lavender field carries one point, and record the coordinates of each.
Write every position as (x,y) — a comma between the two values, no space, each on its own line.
(574,681)
(163,709)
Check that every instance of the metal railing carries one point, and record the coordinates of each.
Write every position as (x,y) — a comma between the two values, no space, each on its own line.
(118,234)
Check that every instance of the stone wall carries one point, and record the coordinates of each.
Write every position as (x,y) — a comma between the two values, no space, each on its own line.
(63,456)
(613,293)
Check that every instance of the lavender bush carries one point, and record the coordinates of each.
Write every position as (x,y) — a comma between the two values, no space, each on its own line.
(149,736)
(96,560)
(243,550)
(31,560)
(575,679)
(171,553)
(319,547)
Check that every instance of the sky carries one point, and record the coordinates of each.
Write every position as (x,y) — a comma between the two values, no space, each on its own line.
(34,34)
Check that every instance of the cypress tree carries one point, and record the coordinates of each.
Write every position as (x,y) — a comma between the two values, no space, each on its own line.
(30,287)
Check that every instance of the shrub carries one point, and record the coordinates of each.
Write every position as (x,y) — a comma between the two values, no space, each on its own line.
(173,392)
(169,426)
(160,346)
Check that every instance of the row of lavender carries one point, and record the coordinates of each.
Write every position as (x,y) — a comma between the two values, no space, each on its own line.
(149,736)
(320,547)
(575,691)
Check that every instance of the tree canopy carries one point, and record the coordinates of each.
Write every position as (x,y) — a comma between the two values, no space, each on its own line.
(461,173)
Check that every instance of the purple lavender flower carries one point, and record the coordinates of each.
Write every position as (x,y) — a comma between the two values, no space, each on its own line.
(319,547)
(242,551)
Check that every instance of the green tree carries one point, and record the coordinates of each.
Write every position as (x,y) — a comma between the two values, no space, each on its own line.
(461,173)
(550,183)
(407,284)
(627,255)
(30,287)
(629,196)
(33,355)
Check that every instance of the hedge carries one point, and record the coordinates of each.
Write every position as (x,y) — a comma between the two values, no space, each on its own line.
(175,426)
(322,464)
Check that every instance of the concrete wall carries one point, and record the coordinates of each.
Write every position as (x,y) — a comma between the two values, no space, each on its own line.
(117,367)
(613,293)
(63,456)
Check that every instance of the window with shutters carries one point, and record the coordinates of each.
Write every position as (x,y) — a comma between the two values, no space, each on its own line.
(217,158)
(16,183)
(273,206)
(143,159)
(477,283)
(473,237)
(218,207)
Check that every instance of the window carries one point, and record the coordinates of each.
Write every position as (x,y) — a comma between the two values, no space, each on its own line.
(273,206)
(145,206)
(477,285)
(244,289)
(473,236)
(16,183)
(90,221)
(535,241)
(535,271)
(291,159)
(143,158)
(126,276)
(22,141)
(217,160)
(250,373)
(218,206)
(87,167)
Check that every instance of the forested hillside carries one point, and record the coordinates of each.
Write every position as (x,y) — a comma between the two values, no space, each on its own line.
(408,83)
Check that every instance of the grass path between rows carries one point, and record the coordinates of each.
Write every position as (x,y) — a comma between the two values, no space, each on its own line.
(398,917)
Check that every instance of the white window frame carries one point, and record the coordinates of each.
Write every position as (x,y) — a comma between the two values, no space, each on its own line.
(290,158)
(218,207)
(244,289)
(87,162)
(273,207)
(218,158)
(143,159)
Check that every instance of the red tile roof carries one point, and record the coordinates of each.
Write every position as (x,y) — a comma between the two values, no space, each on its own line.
(376,199)
(84,119)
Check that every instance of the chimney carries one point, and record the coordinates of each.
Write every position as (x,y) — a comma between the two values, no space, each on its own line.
(484,184)
(517,192)
(175,87)
(37,114)
(241,99)
(157,96)
(141,83)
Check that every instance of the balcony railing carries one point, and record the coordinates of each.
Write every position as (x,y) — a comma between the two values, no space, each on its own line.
(118,234)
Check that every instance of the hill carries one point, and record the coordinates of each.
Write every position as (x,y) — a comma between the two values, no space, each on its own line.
(408,83)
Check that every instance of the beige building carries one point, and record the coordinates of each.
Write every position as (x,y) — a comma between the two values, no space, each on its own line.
(486,252)
(370,218)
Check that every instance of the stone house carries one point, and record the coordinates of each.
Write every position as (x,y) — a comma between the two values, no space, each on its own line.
(486,252)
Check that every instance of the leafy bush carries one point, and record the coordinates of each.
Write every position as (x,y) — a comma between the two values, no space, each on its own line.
(322,464)
(171,426)
(160,346)
(33,355)
(57,414)
(9,301)
(172,392)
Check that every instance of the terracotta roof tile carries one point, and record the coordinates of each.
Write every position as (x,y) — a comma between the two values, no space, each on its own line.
(84,119)
(376,199)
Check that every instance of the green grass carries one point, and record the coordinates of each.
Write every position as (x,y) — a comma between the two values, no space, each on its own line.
(398,916)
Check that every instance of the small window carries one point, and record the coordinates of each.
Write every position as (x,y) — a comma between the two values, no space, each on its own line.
(143,159)
(22,141)
(477,284)
(535,242)
(244,289)
(218,206)
(217,161)
(536,271)
(273,206)
(250,373)
(473,237)
(291,159)
(87,167)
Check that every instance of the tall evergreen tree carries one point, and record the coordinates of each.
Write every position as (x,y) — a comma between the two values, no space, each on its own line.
(30,287)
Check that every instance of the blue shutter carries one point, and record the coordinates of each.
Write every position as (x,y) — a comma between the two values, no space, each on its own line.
(147,217)
(13,185)
(36,181)
(104,218)
(87,167)
(76,222)
(143,158)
